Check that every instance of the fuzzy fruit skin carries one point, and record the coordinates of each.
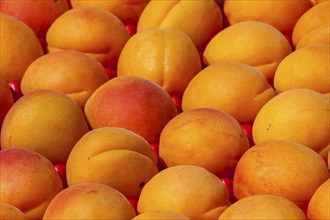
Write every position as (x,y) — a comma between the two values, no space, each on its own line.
(129,102)
(116,150)
(38,15)
(89,201)
(50,124)
(263,169)
(28,181)
(19,47)
(195,193)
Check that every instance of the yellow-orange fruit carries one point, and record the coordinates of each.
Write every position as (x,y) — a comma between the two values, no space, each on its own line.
(236,88)
(128,11)
(252,42)
(319,205)
(279,168)
(283,14)
(167,57)
(160,214)
(186,189)
(68,71)
(19,47)
(8,211)
(128,160)
(295,115)
(50,123)
(308,67)
(263,206)
(89,201)
(91,30)
(314,2)
(38,15)
(199,19)
(313,27)
(203,137)
(28,181)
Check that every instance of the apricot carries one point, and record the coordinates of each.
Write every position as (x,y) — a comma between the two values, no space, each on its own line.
(45,121)
(28,181)
(128,159)
(166,56)
(318,206)
(71,72)
(89,201)
(282,15)
(199,19)
(38,15)
(263,206)
(251,42)
(204,137)
(186,189)
(128,11)
(308,67)
(19,47)
(91,30)
(313,27)
(131,102)
(236,88)
(6,99)
(8,211)
(295,115)
(314,2)
(160,214)
(278,167)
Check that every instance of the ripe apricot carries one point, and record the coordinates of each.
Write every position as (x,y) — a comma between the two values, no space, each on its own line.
(263,206)
(167,57)
(313,27)
(19,47)
(160,214)
(187,189)
(199,19)
(308,67)
(283,14)
(28,181)
(50,123)
(89,201)
(128,11)
(278,167)
(233,87)
(252,42)
(127,158)
(318,207)
(204,137)
(295,115)
(68,71)
(131,102)
(8,211)
(38,15)
(91,30)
